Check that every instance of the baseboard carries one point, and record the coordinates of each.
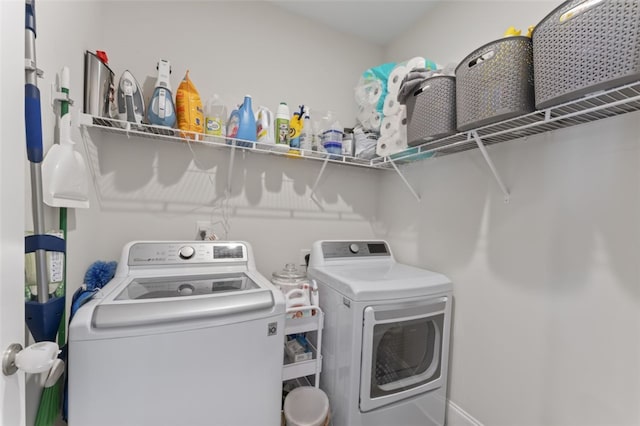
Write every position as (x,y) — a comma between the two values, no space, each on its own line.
(456,416)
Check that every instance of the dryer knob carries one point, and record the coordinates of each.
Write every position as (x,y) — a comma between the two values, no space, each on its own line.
(186,252)
(354,248)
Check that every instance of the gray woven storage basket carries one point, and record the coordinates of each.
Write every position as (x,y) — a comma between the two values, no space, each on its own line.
(431,110)
(585,46)
(495,83)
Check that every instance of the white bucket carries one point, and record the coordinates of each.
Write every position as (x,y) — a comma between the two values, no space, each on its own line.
(306,406)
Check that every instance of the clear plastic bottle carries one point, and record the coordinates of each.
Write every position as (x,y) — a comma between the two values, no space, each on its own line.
(306,136)
(215,117)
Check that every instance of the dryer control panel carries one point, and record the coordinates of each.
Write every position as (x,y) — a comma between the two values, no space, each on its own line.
(338,249)
(187,252)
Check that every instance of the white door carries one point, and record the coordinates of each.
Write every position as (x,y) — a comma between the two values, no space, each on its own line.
(12,200)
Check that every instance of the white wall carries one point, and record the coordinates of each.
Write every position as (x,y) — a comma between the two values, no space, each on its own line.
(547,304)
(157,190)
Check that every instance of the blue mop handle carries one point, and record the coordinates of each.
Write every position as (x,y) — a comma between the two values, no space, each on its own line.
(30,16)
(32,111)
(32,116)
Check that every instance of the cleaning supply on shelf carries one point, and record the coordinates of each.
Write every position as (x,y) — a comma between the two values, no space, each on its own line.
(316,143)
(233,125)
(215,117)
(306,134)
(512,32)
(161,110)
(130,99)
(295,128)
(348,143)
(332,134)
(264,126)
(246,123)
(99,90)
(282,127)
(189,108)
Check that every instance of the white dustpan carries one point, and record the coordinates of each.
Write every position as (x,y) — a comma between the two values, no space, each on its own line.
(64,173)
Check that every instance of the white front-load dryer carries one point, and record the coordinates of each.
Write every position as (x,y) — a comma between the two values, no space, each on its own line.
(385,342)
(187,333)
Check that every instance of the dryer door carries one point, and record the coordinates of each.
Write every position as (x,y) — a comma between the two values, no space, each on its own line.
(403,350)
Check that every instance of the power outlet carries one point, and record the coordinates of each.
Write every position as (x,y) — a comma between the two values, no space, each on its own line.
(303,253)
(204,230)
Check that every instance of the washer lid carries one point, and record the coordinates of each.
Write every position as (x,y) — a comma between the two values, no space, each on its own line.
(381,280)
(189,285)
(146,301)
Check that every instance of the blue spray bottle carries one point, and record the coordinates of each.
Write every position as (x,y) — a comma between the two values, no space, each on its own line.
(247,123)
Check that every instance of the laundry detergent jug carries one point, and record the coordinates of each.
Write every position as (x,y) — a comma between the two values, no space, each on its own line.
(246,124)
(264,125)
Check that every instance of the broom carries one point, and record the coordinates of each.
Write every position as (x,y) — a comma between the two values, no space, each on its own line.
(50,400)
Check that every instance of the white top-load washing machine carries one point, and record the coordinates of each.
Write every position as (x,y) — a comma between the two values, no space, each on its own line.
(385,342)
(186,333)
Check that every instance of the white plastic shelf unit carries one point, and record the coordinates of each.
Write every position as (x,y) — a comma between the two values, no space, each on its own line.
(593,107)
(305,324)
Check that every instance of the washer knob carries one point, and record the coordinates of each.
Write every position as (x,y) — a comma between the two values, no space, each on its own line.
(186,252)
(354,248)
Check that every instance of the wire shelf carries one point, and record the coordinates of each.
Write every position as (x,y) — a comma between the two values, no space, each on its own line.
(587,109)
(109,125)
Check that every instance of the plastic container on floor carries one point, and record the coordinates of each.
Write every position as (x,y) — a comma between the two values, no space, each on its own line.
(306,406)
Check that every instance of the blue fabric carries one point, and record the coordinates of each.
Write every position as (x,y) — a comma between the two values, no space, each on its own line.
(44,242)
(43,319)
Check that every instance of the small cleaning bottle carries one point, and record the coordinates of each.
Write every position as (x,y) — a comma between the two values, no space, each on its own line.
(282,127)
(306,135)
(247,123)
(295,128)
(215,117)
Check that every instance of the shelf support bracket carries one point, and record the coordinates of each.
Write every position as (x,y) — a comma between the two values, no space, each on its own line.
(474,134)
(404,179)
(230,169)
(315,184)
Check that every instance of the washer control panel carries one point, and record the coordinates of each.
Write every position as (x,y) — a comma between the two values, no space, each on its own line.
(187,252)
(335,249)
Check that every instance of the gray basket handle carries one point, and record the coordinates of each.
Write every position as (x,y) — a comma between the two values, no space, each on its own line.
(410,82)
(482,58)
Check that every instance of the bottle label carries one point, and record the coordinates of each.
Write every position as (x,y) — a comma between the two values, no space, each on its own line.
(213,126)
(282,131)
(233,126)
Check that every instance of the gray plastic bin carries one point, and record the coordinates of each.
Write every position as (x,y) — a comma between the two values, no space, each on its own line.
(585,46)
(431,110)
(495,83)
